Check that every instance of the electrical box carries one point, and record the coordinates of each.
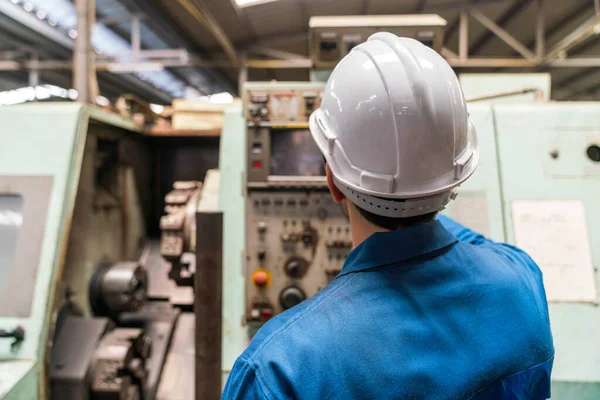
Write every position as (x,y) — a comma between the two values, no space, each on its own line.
(332,38)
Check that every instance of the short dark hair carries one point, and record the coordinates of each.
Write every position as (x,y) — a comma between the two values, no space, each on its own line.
(391,223)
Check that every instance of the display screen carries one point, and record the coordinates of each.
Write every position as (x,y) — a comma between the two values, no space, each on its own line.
(11,219)
(294,153)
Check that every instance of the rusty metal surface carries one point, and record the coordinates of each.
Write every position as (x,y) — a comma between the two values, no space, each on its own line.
(208,305)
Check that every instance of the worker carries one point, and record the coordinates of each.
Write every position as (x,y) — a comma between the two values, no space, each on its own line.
(423,308)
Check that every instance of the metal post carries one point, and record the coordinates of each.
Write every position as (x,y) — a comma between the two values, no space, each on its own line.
(136,39)
(540,31)
(208,282)
(34,73)
(463,36)
(243,76)
(84,71)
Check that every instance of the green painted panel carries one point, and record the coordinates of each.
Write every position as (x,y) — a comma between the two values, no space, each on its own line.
(22,383)
(527,135)
(479,204)
(42,139)
(232,162)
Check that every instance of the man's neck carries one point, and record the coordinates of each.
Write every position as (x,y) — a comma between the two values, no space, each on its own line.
(360,227)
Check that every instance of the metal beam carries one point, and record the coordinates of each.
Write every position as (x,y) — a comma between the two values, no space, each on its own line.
(559,25)
(305,63)
(580,34)
(136,37)
(274,53)
(9,65)
(579,62)
(117,19)
(54,43)
(84,71)
(447,53)
(243,75)
(492,63)
(202,15)
(540,30)
(463,36)
(157,19)
(34,75)
(504,19)
(148,54)
(299,63)
(502,34)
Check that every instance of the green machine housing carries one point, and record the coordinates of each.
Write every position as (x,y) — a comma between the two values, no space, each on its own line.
(537,160)
(81,192)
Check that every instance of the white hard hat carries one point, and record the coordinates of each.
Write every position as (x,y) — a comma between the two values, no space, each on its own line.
(394,128)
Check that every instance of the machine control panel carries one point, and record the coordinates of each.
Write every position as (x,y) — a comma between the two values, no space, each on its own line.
(297,238)
(281,105)
(279,145)
(297,242)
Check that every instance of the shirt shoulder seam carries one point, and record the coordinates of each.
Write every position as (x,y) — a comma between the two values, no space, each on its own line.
(263,386)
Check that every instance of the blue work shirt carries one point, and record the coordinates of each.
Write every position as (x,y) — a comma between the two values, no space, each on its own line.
(434,311)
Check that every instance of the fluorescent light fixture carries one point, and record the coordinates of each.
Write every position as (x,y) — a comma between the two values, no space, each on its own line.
(157,108)
(102,101)
(30,93)
(221,98)
(248,3)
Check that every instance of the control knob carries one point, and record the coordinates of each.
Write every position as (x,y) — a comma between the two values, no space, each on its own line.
(296,267)
(264,112)
(291,296)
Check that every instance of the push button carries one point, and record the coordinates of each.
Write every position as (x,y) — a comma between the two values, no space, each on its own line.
(261,278)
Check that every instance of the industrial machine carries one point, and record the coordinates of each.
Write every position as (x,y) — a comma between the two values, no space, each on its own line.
(297,238)
(535,187)
(95,218)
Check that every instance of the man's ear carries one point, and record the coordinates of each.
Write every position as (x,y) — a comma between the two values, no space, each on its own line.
(338,196)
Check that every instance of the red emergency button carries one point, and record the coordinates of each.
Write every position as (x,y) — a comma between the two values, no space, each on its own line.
(256,164)
(261,277)
(266,313)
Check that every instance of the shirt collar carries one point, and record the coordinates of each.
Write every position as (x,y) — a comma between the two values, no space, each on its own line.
(383,248)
